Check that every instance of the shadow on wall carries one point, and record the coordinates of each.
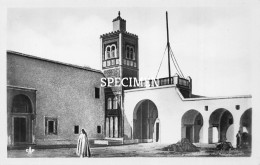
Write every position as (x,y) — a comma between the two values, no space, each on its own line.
(128,130)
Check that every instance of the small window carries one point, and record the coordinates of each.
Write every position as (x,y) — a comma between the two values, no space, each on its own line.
(109,103)
(206,108)
(115,102)
(76,129)
(113,52)
(237,107)
(97,91)
(127,52)
(98,129)
(131,53)
(108,53)
(51,126)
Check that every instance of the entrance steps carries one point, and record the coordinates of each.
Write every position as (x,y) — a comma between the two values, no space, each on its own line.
(109,141)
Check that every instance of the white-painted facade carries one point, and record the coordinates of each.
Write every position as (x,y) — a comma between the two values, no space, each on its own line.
(172,106)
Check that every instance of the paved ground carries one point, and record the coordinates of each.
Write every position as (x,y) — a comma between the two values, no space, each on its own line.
(135,150)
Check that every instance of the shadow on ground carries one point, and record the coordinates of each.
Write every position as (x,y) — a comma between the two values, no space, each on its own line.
(135,150)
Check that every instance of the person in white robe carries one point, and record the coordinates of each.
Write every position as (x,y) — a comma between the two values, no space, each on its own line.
(83,149)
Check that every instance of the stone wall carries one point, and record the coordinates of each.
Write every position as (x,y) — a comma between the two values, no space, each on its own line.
(64,92)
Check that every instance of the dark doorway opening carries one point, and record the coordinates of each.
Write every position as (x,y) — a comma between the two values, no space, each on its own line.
(145,125)
(157,132)
(19,129)
(188,133)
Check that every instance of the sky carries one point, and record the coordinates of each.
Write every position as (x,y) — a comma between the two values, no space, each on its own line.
(212,44)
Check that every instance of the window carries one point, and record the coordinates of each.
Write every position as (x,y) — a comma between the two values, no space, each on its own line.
(21,104)
(127,53)
(113,53)
(130,53)
(115,102)
(76,129)
(97,91)
(109,103)
(110,52)
(206,108)
(98,129)
(51,126)
(237,107)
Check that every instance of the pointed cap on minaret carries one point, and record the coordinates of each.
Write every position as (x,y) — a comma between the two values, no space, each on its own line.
(119,23)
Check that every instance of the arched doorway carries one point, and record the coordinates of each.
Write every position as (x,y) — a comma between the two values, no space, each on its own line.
(191,125)
(146,123)
(21,119)
(246,127)
(221,126)
(246,121)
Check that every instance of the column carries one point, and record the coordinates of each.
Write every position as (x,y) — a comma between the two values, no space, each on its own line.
(116,127)
(236,129)
(206,129)
(107,127)
(111,127)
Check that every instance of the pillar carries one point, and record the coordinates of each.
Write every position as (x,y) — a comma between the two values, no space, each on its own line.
(107,127)
(111,132)
(236,129)
(206,130)
(116,127)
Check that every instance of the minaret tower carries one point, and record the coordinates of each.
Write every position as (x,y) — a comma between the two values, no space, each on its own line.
(119,54)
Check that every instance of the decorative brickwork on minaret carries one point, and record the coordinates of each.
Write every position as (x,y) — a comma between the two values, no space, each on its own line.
(119,59)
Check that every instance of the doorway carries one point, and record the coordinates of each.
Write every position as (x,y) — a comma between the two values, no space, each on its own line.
(188,133)
(19,129)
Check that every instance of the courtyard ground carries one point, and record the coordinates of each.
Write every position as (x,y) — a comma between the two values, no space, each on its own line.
(134,150)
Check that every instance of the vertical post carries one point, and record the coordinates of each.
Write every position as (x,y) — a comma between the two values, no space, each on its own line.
(168,47)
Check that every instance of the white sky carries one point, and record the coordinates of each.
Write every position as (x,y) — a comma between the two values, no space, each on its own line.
(211,44)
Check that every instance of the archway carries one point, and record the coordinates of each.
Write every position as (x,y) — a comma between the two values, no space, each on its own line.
(191,125)
(246,121)
(220,126)
(21,116)
(246,127)
(146,123)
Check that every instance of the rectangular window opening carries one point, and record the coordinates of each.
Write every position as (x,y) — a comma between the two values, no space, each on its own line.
(98,129)
(51,126)
(97,91)
(76,129)
(206,108)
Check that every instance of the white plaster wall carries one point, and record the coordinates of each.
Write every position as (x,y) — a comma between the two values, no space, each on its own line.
(171,108)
